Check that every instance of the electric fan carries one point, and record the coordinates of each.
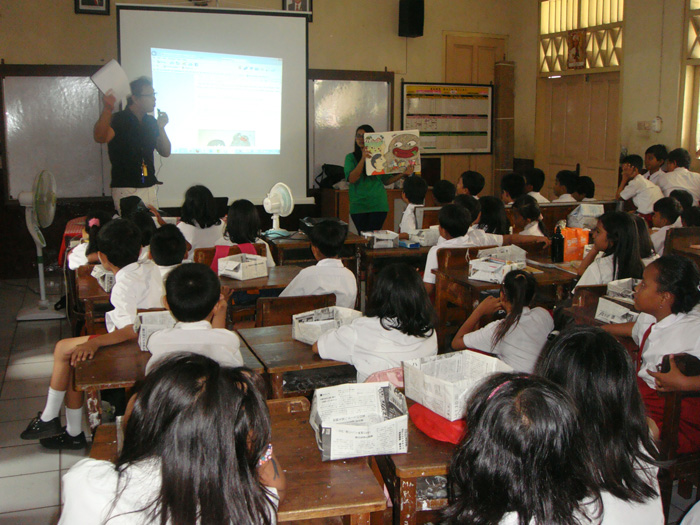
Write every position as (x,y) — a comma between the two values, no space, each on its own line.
(280,203)
(40,206)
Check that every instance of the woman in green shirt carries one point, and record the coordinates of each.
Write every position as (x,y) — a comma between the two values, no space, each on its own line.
(369,204)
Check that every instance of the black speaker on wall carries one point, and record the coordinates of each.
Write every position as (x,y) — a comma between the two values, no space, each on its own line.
(411,15)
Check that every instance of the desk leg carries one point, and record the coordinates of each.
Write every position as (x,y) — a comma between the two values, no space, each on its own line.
(359,519)
(405,507)
(94,409)
(276,384)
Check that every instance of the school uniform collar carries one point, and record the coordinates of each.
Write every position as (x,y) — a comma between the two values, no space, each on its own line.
(196,325)
(129,268)
(330,262)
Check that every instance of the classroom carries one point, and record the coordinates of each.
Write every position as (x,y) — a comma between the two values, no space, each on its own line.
(595,118)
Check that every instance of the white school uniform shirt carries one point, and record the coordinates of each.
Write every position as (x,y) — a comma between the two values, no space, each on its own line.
(541,199)
(654,177)
(327,276)
(680,179)
(521,346)
(77,257)
(219,344)
(136,286)
(658,237)
(90,487)
(371,348)
(478,237)
(600,271)
(532,229)
(693,516)
(224,241)
(145,254)
(674,334)
(566,197)
(643,193)
(201,237)
(409,221)
(648,260)
(431,262)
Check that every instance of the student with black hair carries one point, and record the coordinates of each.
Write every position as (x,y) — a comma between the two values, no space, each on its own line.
(329,275)
(414,190)
(193,296)
(523,459)
(512,187)
(615,240)
(598,373)
(493,218)
(168,248)
(399,326)
(690,218)
(198,221)
(678,176)
(471,204)
(86,252)
(516,340)
(527,217)
(470,183)
(534,180)
(668,325)
(667,213)
(136,285)
(242,230)
(683,197)
(196,449)
(585,189)
(144,222)
(642,191)
(444,192)
(654,158)
(646,247)
(565,185)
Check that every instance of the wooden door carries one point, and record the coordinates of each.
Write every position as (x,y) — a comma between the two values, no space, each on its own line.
(578,121)
(471,60)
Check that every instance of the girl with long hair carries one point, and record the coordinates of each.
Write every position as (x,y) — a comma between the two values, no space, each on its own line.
(527,217)
(198,220)
(86,252)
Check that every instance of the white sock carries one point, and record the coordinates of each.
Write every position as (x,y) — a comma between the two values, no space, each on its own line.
(74,421)
(53,404)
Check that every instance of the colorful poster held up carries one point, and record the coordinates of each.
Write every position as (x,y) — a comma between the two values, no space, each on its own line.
(392,152)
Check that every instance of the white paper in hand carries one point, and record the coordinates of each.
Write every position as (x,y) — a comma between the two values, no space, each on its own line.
(111,77)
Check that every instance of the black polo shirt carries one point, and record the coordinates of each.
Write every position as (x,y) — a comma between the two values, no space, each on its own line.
(132,145)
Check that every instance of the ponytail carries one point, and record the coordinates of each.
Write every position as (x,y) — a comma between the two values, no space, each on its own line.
(94,221)
(519,289)
(526,206)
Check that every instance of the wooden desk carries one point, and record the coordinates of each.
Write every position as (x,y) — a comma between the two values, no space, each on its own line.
(277,277)
(315,489)
(297,250)
(454,286)
(279,352)
(121,366)
(402,473)
(691,253)
(371,258)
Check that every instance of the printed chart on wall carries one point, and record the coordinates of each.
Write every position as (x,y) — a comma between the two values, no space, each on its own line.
(451,118)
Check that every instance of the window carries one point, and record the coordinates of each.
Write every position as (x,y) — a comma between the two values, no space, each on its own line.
(601,19)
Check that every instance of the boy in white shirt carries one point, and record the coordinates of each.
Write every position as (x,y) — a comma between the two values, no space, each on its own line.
(667,212)
(654,158)
(168,248)
(565,185)
(642,191)
(534,180)
(329,275)
(585,190)
(470,183)
(193,296)
(137,285)
(413,194)
(678,176)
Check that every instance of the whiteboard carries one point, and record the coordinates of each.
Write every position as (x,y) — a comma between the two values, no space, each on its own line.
(337,107)
(48,125)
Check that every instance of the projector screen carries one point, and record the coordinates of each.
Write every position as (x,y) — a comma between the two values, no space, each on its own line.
(233,84)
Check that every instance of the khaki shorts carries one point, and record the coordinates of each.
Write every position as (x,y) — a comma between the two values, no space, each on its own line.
(148,195)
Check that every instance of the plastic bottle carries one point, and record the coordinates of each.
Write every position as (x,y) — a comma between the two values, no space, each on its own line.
(557,246)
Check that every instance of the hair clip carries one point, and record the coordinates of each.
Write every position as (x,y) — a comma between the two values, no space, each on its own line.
(266,456)
(493,392)
(698,287)
(93,222)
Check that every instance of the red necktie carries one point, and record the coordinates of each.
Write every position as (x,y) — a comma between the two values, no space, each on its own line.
(641,345)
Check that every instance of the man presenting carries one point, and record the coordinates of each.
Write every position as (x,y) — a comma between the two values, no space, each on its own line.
(132,135)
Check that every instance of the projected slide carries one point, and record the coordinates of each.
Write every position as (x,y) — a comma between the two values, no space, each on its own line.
(219,103)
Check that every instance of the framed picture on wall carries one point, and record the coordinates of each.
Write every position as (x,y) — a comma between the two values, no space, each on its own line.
(92,7)
(302,6)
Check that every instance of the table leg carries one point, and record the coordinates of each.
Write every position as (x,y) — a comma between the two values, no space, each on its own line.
(94,408)
(405,502)
(360,519)
(276,384)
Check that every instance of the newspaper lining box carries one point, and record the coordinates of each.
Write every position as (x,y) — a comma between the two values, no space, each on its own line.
(355,420)
(148,323)
(622,289)
(243,266)
(425,237)
(611,312)
(494,264)
(382,239)
(104,277)
(585,216)
(307,327)
(443,383)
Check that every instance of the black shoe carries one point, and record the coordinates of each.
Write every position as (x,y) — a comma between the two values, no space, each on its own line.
(64,441)
(38,429)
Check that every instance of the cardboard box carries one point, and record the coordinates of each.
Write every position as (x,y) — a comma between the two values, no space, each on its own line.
(509,253)
(104,277)
(444,382)
(623,289)
(243,266)
(612,312)
(148,323)
(382,239)
(357,420)
(308,327)
(492,270)
(585,216)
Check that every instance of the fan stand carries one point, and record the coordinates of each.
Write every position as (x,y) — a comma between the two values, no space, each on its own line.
(42,310)
(276,231)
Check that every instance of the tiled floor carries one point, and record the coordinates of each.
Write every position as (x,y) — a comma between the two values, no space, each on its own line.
(30,477)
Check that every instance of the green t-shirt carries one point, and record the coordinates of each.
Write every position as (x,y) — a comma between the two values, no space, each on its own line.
(368,193)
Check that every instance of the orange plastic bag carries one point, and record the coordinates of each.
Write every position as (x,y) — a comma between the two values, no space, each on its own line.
(574,241)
